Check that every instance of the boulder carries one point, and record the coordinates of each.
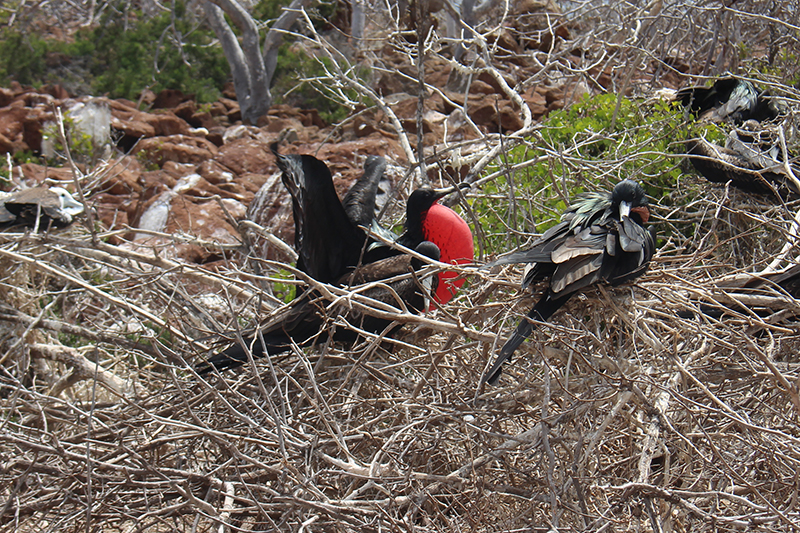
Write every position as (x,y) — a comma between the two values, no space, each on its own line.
(245,155)
(179,148)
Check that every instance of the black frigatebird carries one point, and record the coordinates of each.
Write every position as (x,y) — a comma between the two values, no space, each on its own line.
(730,99)
(785,281)
(48,207)
(746,160)
(428,220)
(359,202)
(328,236)
(750,166)
(326,240)
(601,238)
(304,320)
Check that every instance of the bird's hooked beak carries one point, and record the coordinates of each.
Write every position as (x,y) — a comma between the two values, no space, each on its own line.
(624,209)
(67,203)
(441,193)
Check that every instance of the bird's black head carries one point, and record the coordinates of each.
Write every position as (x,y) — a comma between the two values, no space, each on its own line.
(631,200)
(423,198)
(429,249)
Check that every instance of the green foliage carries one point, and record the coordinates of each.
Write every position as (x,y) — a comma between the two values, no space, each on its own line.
(22,57)
(27,156)
(589,146)
(82,148)
(284,291)
(121,58)
(269,9)
(122,61)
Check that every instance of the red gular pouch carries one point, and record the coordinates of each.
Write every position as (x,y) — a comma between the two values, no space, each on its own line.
(447,230)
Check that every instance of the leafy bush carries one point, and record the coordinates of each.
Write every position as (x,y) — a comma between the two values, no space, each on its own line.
(121,59)
(22,57)
(121,62)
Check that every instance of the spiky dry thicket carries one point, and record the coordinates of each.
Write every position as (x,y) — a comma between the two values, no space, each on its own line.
(619,412)
(618,415)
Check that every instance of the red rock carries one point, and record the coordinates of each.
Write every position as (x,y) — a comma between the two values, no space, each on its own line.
(120,104)
(203,219)
(251,182)
(536,101)
(179,170)
(228,91)
(146,98)
(111,210)
(166,123)
(169,98)
(202,119)
(33,174)
(481,87)
(278,124)
(123,183)
(243,156)
(180,148)
(186,110)
(215,173)
(487,78)
(131,128)
(510,119)
(154,182)
(32,128)
(11,120)
(217,109)
(6,146)
(235,115)
(56,91)
(6,97)
(216,136)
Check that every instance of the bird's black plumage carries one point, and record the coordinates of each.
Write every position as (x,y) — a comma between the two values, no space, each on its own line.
(746,165)
(729,99)
(783,281)
(326,240)
(745,161)
(359,202)
(304,321)
(328,236)
(788,280)
(601,238)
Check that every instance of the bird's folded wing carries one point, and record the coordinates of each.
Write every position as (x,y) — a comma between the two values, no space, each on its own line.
(589,241)
(576,274)
(632,236)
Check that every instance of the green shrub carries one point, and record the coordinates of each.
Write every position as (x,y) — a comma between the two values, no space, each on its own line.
(147,55)
(122,62)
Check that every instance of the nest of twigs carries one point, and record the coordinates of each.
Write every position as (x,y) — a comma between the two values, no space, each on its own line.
(617,415)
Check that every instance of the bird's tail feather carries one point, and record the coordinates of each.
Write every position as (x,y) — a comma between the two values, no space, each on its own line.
(236,354)
(542,311)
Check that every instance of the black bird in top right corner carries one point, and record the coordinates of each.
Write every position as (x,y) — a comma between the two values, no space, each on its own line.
(601,239)
(752,159)
(730,99)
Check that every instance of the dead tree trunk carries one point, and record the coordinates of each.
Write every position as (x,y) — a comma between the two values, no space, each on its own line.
(252,68)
